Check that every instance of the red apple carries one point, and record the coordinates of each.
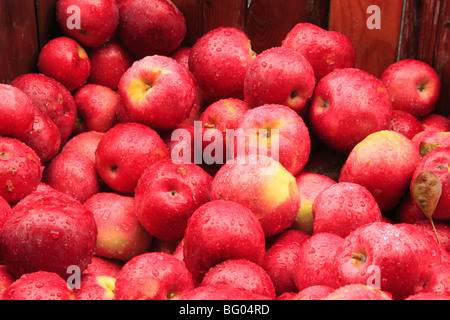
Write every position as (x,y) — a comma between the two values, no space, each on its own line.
(20,170)
(52,231)
(157,91)
(108,63)
(150,27)
(65,59)
(119,234)
(52,98)
(280,259)
(179,251)
(74,174)
(104,266)
(44,138)
(407,211)
(95,287)
(167,194)
(219,293)
(152,276)
(317,292)
(5,211)
(166,246)
(442,229)
(325,50)
(124,152)
(383,163)
(16,112)
(85,143)
(181,55)
(97,23)
(242,274)
(435,122)
(358,292)
(343,207)
(309,186)
(348,105)
(276,131)
(439,282)
(39,285)
(325,161)
(445,254)
(413,86)
(181,143)
(196,110)
(427,296)
(123,115)
(219,61)
(262,185)
(438,162)
(405,123)
(220,230)
(96,108)
(6,279)
(281,76)
(426,245)
(315,262)
(221,117)
(224,114)
(381,255)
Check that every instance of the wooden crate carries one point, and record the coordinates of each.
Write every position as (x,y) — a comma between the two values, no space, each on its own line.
(415,29)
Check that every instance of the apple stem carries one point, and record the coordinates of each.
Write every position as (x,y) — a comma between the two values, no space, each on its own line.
(359,256)
(209,125)
(435,232)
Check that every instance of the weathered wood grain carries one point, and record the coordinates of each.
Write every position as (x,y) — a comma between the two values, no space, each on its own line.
(268,21)
(228,13)
(47,25)
(18,39)
(421,33)
(442,58)
(376,49)
(192,12)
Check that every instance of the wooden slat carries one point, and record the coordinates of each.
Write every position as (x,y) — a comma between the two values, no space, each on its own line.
(268,21)
(228,13)
(48,27)
(18,39)
(376,49)
(442,58)
(425,37)
(192,11)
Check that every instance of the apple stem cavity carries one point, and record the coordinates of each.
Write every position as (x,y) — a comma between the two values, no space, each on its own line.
(173,193)
(421,87)
(294,94)
(359,256)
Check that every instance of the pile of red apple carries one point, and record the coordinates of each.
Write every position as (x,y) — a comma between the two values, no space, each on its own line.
(94,205)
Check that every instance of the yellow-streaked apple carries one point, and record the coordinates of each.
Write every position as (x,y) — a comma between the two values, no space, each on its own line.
(261,184)
(158,92)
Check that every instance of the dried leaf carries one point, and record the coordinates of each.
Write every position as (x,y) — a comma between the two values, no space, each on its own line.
(426,192)
(426,147)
